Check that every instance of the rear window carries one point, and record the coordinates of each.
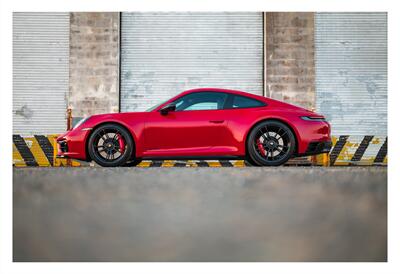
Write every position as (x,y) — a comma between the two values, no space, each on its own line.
(245,102)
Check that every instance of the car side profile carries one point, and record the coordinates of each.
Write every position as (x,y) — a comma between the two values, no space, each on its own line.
(205,123)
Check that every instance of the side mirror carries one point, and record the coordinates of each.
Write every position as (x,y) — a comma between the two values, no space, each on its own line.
(168,108)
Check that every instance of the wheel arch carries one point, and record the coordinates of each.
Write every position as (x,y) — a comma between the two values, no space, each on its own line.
(291,127)
(111,123)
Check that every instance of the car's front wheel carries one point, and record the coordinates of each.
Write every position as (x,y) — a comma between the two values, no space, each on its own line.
(110,145)
(270,143)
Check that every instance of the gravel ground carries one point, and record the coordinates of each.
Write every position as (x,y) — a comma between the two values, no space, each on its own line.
(200,214)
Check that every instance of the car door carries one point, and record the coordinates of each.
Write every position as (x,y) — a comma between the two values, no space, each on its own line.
(242,111)
(198,124)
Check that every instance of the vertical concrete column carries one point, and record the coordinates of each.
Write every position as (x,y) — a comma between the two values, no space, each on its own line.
(289,57)
(94,63)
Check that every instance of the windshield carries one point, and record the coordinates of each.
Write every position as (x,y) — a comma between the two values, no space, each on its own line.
(156,106)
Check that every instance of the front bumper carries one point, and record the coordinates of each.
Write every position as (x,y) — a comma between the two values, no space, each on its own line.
(62,148)
(315,148)
(72,145)
(62,156)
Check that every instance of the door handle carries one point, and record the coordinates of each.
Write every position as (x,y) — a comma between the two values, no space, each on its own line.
(217,121)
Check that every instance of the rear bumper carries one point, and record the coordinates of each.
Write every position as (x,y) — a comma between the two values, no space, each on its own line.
(315,148)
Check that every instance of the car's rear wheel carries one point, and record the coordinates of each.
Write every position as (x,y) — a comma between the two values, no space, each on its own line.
(110,145)
(271,143)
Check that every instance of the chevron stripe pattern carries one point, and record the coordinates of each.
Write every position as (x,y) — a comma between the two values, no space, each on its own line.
(357,150)
(347,150)
(39,150)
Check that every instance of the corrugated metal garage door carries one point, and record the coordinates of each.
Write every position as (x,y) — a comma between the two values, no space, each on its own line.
(351,71)
(40,72)
(163,54)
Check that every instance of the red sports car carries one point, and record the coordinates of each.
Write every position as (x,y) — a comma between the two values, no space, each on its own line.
(205,123)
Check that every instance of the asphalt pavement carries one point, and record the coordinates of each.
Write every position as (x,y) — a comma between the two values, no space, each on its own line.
(200,214)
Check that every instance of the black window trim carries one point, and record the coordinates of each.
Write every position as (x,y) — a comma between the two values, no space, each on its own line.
(229,102)
(203,91)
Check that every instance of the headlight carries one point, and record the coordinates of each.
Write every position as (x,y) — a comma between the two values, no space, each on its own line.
(311,118)
(80,122)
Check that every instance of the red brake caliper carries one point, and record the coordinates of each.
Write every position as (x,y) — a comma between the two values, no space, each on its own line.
(260,147)
(121,143)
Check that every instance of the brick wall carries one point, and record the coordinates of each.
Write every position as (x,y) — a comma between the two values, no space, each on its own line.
(290,57)
(94,63)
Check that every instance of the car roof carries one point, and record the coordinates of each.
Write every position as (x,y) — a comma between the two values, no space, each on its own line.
(231,91)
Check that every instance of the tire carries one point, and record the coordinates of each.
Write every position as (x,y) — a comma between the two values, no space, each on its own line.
(270,143)
(249,162)
(110,145)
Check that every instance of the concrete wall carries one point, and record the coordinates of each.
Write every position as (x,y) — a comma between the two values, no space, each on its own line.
(94,63)
(290,57)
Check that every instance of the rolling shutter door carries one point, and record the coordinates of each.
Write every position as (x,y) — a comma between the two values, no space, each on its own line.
(163,54)
(351,71)
(40,72)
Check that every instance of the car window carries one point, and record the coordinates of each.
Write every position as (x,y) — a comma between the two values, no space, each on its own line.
(245,102)
(201,101)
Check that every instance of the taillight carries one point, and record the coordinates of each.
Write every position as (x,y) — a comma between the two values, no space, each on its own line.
(313,118)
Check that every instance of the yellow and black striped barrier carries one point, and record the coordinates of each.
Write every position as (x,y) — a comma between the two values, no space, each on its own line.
(193,163)
(350,150)
(39,150)
(304,161)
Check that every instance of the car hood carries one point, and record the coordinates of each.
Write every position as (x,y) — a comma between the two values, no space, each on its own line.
(118,114)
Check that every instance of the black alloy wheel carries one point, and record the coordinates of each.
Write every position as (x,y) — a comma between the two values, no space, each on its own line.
(110,145)
(270,143)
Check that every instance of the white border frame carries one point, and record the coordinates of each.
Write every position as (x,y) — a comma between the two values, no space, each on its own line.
(8,7)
